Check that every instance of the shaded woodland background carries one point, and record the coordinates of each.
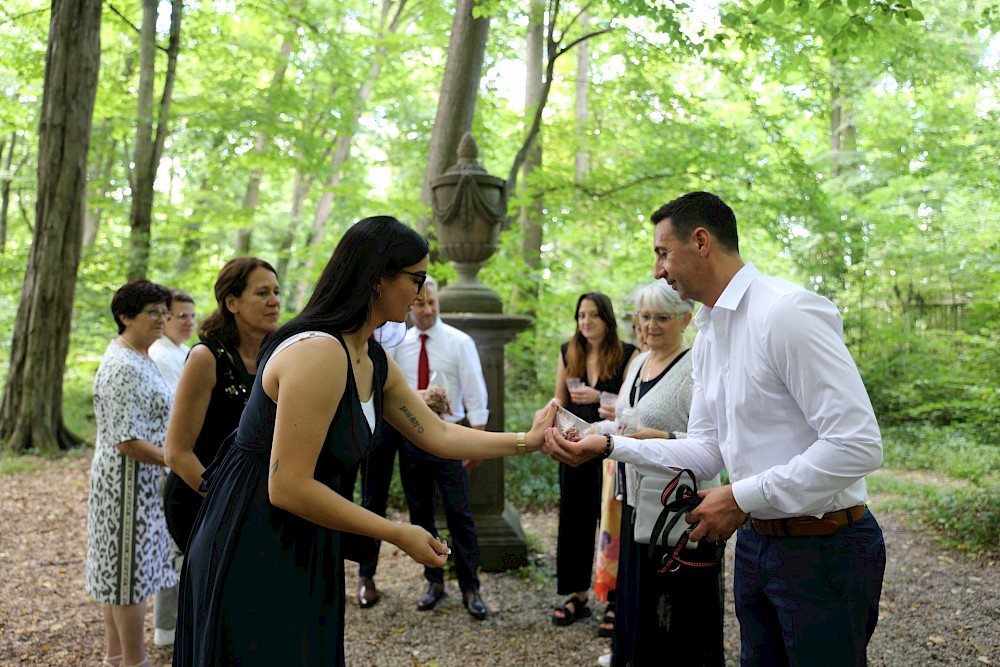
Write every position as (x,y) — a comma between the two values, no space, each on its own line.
(857,141)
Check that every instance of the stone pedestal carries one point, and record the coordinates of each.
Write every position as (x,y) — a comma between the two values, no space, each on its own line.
(498,524)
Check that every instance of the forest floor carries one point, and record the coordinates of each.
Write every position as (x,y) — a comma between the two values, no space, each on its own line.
(939,607)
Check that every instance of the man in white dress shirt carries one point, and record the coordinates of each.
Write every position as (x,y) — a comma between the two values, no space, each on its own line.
(777,401)
(170,352)
(435,353)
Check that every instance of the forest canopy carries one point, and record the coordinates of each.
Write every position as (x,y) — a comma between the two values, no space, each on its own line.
(857,141)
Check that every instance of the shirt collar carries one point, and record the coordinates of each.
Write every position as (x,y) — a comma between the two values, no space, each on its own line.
(730,297)
(737,287)
(432,332)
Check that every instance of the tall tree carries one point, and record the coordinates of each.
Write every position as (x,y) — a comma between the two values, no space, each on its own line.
(261,142)
(149,147)
(8,170)
(345,137)
(531,211)
(31,411)
(459,88)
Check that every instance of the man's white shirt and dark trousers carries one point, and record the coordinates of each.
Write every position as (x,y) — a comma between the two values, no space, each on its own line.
(452,354)
(778,401)
(169,358)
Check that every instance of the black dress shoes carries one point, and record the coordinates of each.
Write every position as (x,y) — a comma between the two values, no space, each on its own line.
(367,593)
(475,605)
(430,599)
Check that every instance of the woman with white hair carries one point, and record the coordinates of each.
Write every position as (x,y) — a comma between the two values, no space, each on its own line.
(678,613)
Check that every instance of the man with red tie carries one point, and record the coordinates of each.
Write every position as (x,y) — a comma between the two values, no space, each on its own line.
(436,354)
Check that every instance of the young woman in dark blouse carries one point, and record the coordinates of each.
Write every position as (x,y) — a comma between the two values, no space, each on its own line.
(215,384)
(597,357)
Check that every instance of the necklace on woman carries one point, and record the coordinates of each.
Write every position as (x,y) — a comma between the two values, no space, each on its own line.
(648,375)
(123,339)
(356,355)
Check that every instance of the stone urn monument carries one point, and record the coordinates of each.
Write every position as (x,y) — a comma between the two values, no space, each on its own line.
(469,206)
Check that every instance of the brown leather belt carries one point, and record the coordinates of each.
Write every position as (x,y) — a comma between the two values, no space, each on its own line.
(809,526)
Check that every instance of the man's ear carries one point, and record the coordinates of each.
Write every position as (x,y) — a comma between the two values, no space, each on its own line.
(703,240)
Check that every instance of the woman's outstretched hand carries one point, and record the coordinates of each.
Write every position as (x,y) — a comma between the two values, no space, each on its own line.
(421,546)
(544,418)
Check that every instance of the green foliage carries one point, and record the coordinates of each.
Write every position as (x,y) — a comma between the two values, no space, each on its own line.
(962,517)
(955,487)
(532,482)
(967,517)
(937,378)
(952,452)
(20,464)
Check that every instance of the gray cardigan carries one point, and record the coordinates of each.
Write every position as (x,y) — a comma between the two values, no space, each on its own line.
(665,407)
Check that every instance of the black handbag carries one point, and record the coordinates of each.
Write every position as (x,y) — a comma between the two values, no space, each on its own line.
(678,498)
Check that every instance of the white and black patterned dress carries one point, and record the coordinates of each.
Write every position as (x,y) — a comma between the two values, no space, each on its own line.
(129,552)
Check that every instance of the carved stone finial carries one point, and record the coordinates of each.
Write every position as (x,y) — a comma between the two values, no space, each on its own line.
(467,151)
(467,148)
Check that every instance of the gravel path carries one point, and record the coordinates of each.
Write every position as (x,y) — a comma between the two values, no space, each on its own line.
(938,607)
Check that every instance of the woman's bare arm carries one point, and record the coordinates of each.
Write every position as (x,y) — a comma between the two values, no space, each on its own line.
(194,394)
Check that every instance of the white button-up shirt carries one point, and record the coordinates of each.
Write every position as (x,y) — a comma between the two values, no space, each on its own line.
(777,400)
(453,354)
(169,358)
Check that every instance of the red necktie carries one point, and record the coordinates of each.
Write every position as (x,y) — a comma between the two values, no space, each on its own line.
(423,365)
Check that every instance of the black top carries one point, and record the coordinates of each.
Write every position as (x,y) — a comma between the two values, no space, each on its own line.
(229,397)
(588,412)
(262,586)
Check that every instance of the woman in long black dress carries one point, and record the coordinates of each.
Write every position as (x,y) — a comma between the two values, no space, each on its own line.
(592,361)
(263,582)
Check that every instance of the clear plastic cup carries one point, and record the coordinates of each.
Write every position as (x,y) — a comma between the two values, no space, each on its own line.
(572,384)
(609,399)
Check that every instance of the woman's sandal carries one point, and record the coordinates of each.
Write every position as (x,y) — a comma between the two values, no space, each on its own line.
(607,626)
(111,661)
(571,615)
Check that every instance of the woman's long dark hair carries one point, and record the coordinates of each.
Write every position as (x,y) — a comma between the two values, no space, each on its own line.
(372,249)
(612,352)
(232,280)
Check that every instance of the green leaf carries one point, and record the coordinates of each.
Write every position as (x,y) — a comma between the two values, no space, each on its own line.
(778,6)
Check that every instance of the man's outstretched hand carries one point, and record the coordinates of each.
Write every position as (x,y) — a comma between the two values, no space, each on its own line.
(573,453)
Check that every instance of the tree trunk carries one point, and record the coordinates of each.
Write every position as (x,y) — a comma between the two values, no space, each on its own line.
(531,214)
(5,188)
(99,177)
(555,49)
(459,88)
(148,149)
(582,85)
(31,410)
(300,189)
(244,237)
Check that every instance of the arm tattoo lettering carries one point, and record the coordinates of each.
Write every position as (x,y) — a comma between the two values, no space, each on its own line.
(412,419)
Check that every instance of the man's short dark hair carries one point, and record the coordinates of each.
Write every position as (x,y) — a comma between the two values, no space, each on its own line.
(701,209)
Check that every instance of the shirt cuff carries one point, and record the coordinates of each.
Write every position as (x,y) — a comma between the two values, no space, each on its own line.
(624,449)
(749,496)
(477,417)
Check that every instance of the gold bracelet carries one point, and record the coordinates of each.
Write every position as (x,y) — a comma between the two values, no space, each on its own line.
(522,444)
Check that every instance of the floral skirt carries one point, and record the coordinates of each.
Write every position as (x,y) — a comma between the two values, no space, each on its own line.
(608,537)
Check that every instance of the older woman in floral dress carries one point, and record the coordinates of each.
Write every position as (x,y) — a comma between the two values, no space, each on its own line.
(128,548)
